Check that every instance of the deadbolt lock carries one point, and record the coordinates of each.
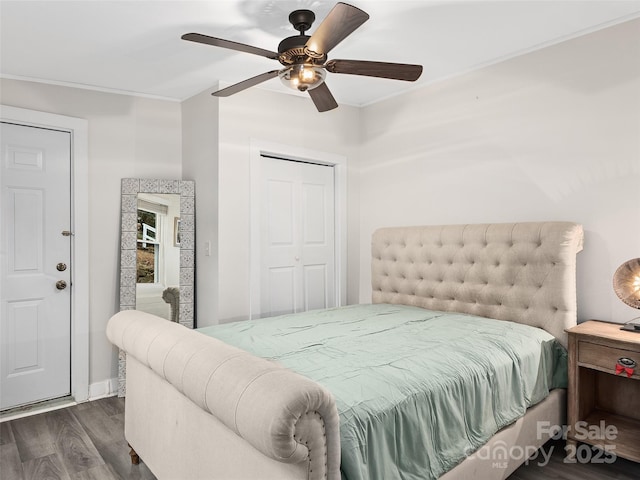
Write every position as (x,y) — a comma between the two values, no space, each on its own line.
(61,284)
(61,267)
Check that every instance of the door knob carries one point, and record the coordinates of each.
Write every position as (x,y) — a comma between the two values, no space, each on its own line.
(61,284)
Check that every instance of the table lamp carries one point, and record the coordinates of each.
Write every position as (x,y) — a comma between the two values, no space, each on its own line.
(626,284)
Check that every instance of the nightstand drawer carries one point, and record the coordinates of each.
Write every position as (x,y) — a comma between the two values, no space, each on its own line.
(603,357)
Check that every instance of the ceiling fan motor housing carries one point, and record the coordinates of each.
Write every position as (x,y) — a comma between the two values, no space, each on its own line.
(292,49)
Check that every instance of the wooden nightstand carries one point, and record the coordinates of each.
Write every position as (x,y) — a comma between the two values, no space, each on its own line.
(597,394)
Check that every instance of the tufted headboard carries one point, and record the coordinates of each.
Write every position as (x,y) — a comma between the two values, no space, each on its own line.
(523,272)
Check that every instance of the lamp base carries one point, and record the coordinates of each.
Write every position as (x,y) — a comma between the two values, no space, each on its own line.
(632,326)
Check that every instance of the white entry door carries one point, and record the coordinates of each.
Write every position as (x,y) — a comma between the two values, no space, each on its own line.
(35,283)
(297,237)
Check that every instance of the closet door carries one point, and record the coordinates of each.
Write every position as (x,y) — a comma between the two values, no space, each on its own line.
(297,237)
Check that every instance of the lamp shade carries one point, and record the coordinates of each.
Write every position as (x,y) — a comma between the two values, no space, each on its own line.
(626,282)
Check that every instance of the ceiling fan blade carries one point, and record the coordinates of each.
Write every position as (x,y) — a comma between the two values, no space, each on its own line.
(219,42)
(341,21)
(250,82)
(322,98)
(395,71)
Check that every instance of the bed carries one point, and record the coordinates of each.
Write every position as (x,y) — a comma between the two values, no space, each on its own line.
(200,407)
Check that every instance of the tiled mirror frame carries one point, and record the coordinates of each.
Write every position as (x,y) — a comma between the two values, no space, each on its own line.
(130,187)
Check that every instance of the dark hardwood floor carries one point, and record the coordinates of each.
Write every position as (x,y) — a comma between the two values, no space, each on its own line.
(557,468)
(82,442)
(86,442)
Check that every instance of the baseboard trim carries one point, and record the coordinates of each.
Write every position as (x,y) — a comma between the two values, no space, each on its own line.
(106,388)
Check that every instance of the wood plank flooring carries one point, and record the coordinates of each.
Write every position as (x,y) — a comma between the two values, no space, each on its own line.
(557,469)
(86,442)
(82,442)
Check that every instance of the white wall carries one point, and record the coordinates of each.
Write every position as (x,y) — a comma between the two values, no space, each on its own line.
(283,119)
(128,137)
(200,163)
(552,135)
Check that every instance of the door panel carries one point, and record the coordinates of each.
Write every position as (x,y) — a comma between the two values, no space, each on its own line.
(318,241)
(281,290)
(26,242)
(280,212)
(25,320)
(313,214)
(315,287)
(297,236)
(35,326)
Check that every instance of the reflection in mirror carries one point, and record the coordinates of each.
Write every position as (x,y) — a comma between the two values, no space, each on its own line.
(158,254)
(157,261)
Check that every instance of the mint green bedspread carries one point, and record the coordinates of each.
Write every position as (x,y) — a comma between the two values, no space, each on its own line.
(416,390)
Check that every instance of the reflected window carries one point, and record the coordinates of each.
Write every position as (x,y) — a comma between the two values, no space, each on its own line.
(148,251)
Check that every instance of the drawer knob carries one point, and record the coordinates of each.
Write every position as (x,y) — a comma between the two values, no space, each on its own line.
(626,365)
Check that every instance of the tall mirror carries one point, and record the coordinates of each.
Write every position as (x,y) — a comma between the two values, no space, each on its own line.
(157,261)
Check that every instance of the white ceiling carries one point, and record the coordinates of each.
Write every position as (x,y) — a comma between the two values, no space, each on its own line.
(134,46)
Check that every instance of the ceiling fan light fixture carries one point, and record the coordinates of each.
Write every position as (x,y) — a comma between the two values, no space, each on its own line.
(302,76)
(304,57)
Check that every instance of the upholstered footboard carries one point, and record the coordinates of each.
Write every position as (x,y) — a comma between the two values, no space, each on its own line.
(199,408)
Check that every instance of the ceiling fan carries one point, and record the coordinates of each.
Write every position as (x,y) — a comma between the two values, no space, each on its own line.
(304,57)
